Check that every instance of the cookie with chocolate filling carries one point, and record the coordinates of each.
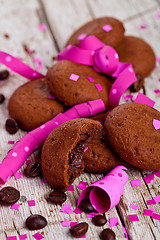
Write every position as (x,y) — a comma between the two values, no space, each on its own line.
(107,29)
(130,132)
(31,105)
(74,83)
(139,53)
(63,150)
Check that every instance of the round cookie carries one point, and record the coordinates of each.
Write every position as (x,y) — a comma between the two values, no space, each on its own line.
(130,132)
(74,92)
(63,150)
(31,106)
(95,27)
(136,51)
(99,157)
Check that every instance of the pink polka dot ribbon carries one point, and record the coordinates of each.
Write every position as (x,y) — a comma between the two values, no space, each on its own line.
(19,67)
(92,52)
(18,154)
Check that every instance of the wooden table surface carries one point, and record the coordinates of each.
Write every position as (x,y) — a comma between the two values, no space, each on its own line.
(20,20)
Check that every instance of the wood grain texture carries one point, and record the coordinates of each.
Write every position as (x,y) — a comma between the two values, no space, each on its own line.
(20,21)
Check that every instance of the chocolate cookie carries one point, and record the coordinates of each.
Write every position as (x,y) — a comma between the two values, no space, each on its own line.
(63,150)
(130,131)
(136,51)
(90,85)
(31,106)
(107,29)
(99,157)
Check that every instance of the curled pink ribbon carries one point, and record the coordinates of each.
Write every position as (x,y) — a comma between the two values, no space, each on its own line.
(92,52)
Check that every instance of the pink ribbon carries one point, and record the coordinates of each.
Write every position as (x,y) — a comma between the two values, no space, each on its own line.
(92,52)
(19,67)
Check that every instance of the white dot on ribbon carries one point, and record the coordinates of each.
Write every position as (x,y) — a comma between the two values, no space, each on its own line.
(26,149)
(8,59)
(34,74)
(130,69)
(56,123)
(14,154)
(92,53)
(114,90)
(116,55)
(43,126)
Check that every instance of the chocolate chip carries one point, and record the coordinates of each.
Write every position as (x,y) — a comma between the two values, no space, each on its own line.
(86,206)
(11,126)
(35,222)
(2,98)
(57,197)
(107,234)
(4,74)
(33,169)
(79,229)
(9,195)
(99,220)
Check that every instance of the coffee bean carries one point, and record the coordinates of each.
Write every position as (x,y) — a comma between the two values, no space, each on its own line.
(2,98)
(11,126)
(4,74)
(107,234)
(35,222)
(86,206)
(33,169)
(79,229)
(99,220)
(9,195)
(57,197)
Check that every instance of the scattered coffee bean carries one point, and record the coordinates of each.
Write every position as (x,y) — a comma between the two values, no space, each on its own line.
(33,169)
(79,229)
(86,206)
(57,197)
(35,222)
(99,220)
(4,74)
(107,234)
(11,126)
(9,195)
(2,98)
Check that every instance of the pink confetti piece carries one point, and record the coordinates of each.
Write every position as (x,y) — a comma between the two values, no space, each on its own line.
(133,206)
(148,212)
(157,199)
(127,97)
(38,236)
(42,27)
(90,79)
(85,149)
(43,181)
(113,222)
(39,66)
(11,238)
(82,185)
(125,232)
(51,97)
(157,173)
(91,215)
(133,218)
(15,206)
(156,216)
(157,91)
(66,209)
(31,203)
(74,77)
(77,211)
(136,182)
(143,26)
(107,28)
(158,15)
(149,178)
(158,59)
(151,202)
(71,188)
(11,142)
(65,223)
(37,59)
(141,98)
(156,124)
(159,80)
(18,175)
(24,236)
(73,224)
(98,86)
(82,36)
